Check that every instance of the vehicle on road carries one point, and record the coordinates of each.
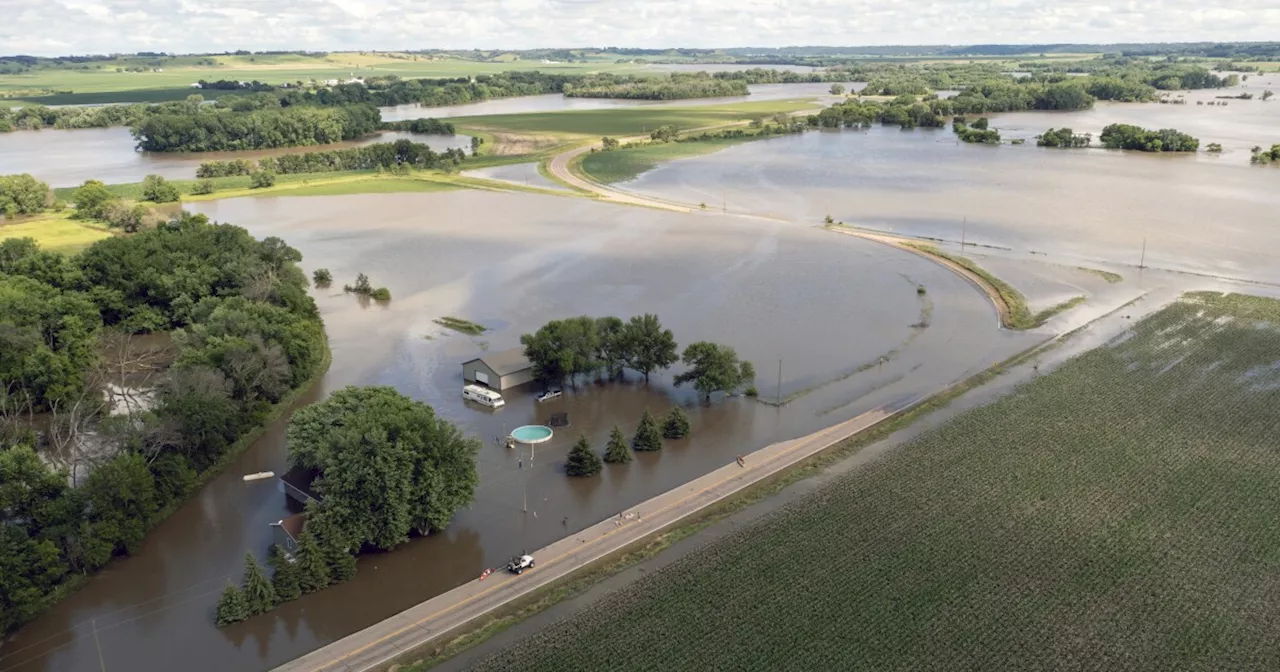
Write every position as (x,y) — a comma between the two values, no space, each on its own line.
(549,394)
(519,564)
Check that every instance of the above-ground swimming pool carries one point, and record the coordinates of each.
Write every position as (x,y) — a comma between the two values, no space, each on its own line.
(531,434)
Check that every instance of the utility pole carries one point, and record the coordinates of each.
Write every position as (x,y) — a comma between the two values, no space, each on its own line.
(1142,262)
(779,381)
(963,227)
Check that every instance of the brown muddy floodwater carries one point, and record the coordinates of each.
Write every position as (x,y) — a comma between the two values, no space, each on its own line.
(829,306)
(66,158)
(1200,213)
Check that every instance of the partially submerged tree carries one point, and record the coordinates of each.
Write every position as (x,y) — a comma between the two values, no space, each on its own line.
(284,575)
(714,367)
(259,594)
(313,572)
(677,425)
(232,607)
(388,465)
(648,346)
(322,277)
(582,460)
(617,452)
(647,437)
(563,349)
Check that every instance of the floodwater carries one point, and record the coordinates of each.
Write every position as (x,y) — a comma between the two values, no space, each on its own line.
(518,173)
(66,158)
(1206,214)
(830,307)
(554,102)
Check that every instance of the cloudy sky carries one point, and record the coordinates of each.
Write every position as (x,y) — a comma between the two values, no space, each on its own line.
(54,27)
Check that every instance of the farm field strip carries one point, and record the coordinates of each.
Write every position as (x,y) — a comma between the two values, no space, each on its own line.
(1117,513)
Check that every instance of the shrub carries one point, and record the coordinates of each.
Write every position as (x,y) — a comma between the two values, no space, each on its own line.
(380,294)
(262,179)
(322,277)
(159,190)
(203,187)
(752,391)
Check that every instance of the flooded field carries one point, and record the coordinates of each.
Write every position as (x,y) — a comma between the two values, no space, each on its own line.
(830,307)
(65,158)
(1201,213)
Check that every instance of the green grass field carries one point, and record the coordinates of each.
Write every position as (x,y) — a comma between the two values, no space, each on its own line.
(1116,514)
(101,77)
(303,184)
(56,232)
(625,164)
(627,121)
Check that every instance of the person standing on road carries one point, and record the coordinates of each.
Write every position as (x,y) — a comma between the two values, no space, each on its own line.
(742,462)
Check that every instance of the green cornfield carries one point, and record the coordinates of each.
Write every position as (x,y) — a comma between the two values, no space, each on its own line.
(1120,513)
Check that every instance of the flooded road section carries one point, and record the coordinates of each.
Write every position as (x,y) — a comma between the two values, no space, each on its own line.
(1203,213)
(842,314)
(66,158)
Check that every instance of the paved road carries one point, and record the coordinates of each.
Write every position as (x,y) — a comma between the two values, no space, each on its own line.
(443,614)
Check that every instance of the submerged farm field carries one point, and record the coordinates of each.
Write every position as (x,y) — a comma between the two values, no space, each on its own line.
(628,121)
(624,164)
(1118,513)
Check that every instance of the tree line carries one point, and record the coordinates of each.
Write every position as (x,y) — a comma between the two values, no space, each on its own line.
(244,334)
(1258,155)
(218,129)
(1128,136)
(1063,137)
(676,86)
(369,157)
(388,467)
(979,132)
(581,346)
(583,460)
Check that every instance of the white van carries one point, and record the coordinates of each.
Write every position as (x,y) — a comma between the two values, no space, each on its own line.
(483,395)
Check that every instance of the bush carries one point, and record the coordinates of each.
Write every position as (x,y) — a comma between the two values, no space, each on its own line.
(159,190)
(322,277)
(380,294)
(677,425)
(582,460)
(1214,148)
(203,187)
(647,436)
(262,179)
(752,391)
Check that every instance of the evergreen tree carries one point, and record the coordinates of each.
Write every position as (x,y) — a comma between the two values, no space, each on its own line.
(677,426)
(313,571)
(232,607)
(284,575)
(647,435)
(582,460)
(258,592)
(342,565)
(617,451)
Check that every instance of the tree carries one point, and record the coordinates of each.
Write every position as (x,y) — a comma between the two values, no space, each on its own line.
(1266,95)
(313,571)
(677,425)
(284,575)
(232,607)
(90,197)
(362,286)
(333,545)
(611,345)
(388,465)
(203,187)
(563,349)
(159,190)
(647,436)
(262,179)
(714,367)
(322,277)
(608,144)
(837,89)
(475,145)
(617,452)
(582,460)
(648,346)
(259,594)
(23,195)
(665,133)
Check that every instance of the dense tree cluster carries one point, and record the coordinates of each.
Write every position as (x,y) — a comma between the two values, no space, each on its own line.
(1063,137)
(245,333)
(422,126)
(1128,136)
(1260,155)
(980,132)
(368,157)
(223,129)
(388,466)
(909,83)
(675,86)
(23,195)
(904,111)
(714,368)
(583,345)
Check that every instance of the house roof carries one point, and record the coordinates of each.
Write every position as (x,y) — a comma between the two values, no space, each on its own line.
(293,525)
(504,362)
(301,478)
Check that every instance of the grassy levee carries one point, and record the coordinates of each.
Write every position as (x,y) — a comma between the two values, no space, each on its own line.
(621,165)
(580,124)
(56,232)
(1118,513)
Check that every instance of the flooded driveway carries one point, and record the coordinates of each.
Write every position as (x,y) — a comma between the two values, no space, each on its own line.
(842,314)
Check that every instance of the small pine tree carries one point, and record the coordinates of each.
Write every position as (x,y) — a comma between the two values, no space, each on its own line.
(284,575)
(617,451)
(232,607)
(342,565)
(258,592)
(313,571)
(677,426)
(647,435)
(582,460)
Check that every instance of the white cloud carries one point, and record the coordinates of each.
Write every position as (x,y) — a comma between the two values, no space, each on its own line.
(53,27)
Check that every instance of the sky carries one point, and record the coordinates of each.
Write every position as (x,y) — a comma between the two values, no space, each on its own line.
(61,27)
